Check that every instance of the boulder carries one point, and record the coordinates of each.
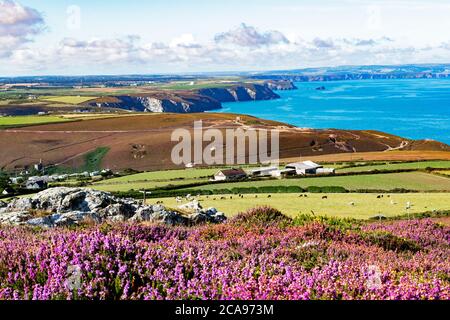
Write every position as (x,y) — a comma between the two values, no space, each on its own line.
(193,206)
(169,218)
(143,214)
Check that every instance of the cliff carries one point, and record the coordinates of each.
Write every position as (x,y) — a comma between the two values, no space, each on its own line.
(281,85)
(159,103)
(185,101)
(248,92)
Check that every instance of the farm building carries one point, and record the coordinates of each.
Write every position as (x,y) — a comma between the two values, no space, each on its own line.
(326,171)
(7,191)
(284,173)
(230,175)
(264,172)
(309,167)
(36,185)
(303,168)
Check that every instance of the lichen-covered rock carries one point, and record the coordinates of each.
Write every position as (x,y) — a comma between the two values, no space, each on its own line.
(73,206)
(193,206)
(20,205)
(14,218)
(143,214)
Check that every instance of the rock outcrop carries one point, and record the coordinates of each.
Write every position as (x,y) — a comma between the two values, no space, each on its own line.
(158,103)
(186,101)
(59,207)
(281,85)
(247,92)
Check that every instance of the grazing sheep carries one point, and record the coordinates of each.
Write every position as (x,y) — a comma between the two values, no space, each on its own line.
(324,197)
(269,196)
(352,204)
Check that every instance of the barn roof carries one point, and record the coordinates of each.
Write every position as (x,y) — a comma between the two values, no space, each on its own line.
(232,172)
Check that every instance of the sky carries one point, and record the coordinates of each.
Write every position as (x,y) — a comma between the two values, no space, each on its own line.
(47,37)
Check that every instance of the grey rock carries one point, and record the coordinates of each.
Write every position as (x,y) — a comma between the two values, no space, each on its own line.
(44,222)
(2,204)
(193,206)
(169,218)
(73,206)
(14,218)
(21,204)
(73,218)
(143,214)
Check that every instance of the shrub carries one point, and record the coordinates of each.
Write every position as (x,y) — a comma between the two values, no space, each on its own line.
(391,242)
(261,216)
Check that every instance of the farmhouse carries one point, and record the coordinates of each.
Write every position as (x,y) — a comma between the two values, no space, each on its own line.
(7,191)
(230,175)
(36,185)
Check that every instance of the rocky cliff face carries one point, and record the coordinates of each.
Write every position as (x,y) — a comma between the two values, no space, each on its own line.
(186,101)
(247,92)
(281,85)
(159,104)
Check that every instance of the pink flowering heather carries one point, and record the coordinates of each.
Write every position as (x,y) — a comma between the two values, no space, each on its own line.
(397,260)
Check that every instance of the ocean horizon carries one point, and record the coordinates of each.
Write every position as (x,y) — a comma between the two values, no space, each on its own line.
(412,108)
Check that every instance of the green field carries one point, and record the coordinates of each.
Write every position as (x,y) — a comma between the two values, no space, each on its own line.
(68,99)
(164,175)
(157,179)
(365,206)
(29,120)
(410,180)
(127,186)
(399,166)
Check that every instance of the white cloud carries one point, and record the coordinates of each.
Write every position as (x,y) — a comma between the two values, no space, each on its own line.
(244,48)
(248,36)
(18,24)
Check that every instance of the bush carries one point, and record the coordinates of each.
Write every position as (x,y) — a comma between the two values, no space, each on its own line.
(261,216)
(391,242)
(335,223)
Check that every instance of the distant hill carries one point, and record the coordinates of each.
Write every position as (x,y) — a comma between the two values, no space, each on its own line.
(143,141)
(427,71)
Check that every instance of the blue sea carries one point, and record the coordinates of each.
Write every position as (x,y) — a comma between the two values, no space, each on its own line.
(415,109)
